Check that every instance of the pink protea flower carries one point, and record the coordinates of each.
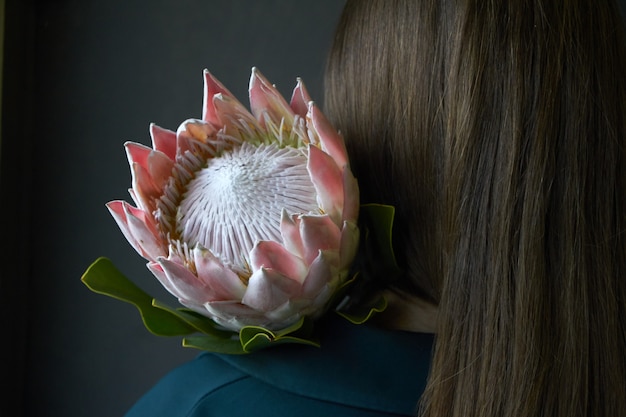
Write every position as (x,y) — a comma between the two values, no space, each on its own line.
(249,218)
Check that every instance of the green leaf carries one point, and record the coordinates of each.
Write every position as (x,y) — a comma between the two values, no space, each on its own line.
(255,337)
(211,343)
(377,220)
(251,339)
(263,340)
(361,314)
(103,277)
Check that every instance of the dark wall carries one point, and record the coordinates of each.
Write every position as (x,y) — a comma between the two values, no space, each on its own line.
(83,77)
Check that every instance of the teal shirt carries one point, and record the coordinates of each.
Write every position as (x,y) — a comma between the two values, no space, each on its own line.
(360,370)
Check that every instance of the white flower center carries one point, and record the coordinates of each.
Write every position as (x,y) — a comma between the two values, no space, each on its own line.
(237,199)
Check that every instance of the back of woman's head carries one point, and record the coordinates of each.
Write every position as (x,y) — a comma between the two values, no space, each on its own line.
(498,130)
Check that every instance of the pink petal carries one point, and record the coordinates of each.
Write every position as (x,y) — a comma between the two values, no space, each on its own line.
(135,197)
(196,129)
(198,308)
(184,143)
(157,165)
(193,130)
(224,284)
(290,232)
(328,181)
(332,142)
(272,255)
(116,208)
(160,168)
(145,234)
(226,309)
(182,283)
(267,290)
(351,203)
(265,98)
(300,99)
(212,87)
(320,274)
(159,273)
(235,117)
(234,315)
(137,153)
(349,244)
(288,313)
(318,233)
(144,189)
(137,229)
(163,140)
(175,252)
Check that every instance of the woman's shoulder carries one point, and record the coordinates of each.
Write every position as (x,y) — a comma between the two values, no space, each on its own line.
(185,387)
(357,370)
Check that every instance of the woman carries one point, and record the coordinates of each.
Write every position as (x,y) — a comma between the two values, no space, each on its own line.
(497,129)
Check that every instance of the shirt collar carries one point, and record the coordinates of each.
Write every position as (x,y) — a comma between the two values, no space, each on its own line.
(357,365)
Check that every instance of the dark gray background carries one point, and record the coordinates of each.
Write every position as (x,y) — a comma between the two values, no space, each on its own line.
(80,77)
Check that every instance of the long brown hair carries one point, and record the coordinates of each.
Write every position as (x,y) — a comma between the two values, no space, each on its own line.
(498,130)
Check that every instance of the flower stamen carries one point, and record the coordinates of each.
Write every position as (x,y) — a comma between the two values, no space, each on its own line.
(236,199)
